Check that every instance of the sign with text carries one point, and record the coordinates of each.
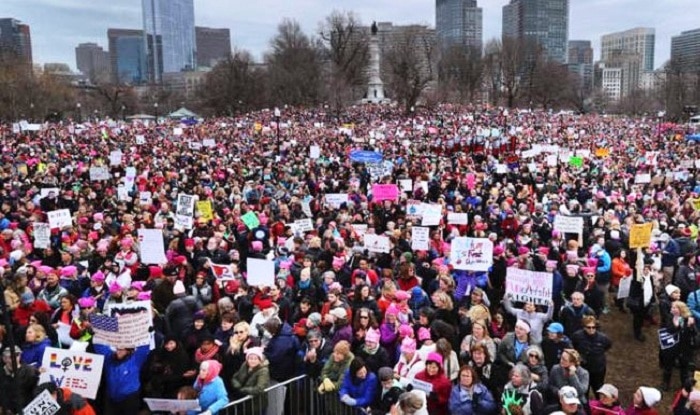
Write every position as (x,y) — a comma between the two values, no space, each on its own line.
(172,406)
(334,200)
(205,210)
(471,254)
(377,243)
(59,218)
(42,235)
(43,404)
(78,371)
(261,272)
(568,224)
(431,214)
(382,192)
(151,246)
(99,173)
(529,286)
(457,218)
(304,225)
(123,325)
(420,238)
(640,235)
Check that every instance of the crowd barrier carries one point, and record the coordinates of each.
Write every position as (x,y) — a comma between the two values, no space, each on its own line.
(298,395)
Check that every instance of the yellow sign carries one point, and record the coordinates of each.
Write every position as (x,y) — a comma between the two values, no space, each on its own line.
(640,236)
(696,204)
(204,208)
(602,152)
(696,376)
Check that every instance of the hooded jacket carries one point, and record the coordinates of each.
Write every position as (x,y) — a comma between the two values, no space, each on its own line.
(280,352)
(478,402)
(212,393)
(122,376)
(439,397)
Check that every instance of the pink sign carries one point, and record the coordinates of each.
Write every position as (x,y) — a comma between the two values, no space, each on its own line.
(385,192)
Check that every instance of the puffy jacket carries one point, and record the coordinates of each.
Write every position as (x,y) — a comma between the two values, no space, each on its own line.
(77,404)
(179,315)
(335,371)
(592,348)
(280,352)
(212,397)
(361,390)
(252,382)
(479,402)
(440,396)
(122,376)
(33,353)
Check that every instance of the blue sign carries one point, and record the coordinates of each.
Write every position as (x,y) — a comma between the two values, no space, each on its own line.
(365,156)
(694,137)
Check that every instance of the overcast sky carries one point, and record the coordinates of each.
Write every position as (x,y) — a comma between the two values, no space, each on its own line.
(58,26)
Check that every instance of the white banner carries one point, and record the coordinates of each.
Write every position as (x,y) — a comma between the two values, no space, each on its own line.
(42,235)
(420,238)
(59,218)
(78,371)
(376,243)
(151,246)
(472,254)
(528,286)
(568,224)
(457,218)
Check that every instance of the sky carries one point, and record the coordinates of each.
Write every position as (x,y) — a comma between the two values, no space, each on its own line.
(58,26)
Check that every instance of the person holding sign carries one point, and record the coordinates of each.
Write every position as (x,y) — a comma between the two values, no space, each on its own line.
(440,385)
(71,403)
(121,371)
(212,393)
(529,313)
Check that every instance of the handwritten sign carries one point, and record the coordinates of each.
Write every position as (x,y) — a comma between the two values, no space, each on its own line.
(78,371)
(209,142)
(406,185)
(314,152)
(115,158)
(568,224)
(640,235)
(99,173)
(304,225)
(251,220)
(43,404)
(42,235)
(261,272)
(472,254)
(377,243)
(59,218)
(642,178)
(529,286)
(151,246)
(334,200)
(185,211)
(420,238)
(205,210)
(132,329)
(431,214)
(457,218)
(382,192)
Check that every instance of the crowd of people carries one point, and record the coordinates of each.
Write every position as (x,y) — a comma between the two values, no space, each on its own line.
(396,332)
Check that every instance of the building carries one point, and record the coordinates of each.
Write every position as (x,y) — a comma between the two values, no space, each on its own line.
(685,50)
(184,83)
(127,56)
(15,40)
(580,62)
(93,62)
(169,36)
(611,82)
(390,37)
(213,46)
(632,51)
(544,22)
(459,22)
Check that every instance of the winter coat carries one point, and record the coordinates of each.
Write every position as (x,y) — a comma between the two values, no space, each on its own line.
(361,390)
(122,376)
(560,377)
(592,349)
(506,352)
(335,371)
(252,382)
(179,315)
(212,397)
(33,353)
(535,319)
(479,402)
(570,317)
(24,381)
(376,360)
(552,350)
(163,372)
(440,396)
(280,352)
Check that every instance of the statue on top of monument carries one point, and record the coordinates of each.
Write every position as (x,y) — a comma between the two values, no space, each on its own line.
(374,28)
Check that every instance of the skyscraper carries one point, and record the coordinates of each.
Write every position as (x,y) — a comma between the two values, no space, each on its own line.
(170,22)
(92,61)
(459,22)
(580,62)
(213,45)
(639,40)
(15,40)
(685,50)
(127,56)
(546,22)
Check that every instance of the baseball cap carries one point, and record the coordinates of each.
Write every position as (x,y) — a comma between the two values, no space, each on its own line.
(608,390)
(569,395)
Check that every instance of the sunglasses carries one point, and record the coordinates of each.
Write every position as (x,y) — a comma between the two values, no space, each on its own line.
(533,355)
(590,327)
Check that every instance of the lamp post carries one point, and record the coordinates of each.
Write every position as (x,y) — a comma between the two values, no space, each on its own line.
(31,111)
(80,113)
(123,113)
(155,108)
(278,114)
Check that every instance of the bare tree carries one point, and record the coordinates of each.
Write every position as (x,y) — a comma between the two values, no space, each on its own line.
(492,70)
(552,85)
(233,86)
(346,54)
(293,67)
(409,65)
(461,70)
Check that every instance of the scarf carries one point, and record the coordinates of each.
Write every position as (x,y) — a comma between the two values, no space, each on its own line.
(304,284)
(199,357)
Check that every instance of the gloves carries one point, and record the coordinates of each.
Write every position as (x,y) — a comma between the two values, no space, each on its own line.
(321,389)
(328,385)
(347,400)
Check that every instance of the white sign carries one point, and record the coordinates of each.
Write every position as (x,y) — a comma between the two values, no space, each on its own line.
(145,198)
(261,272)
(45,192)
(134,323)
(624,290)
(552,160)
(140,140)
(59,218)
(185,211)
(304,225)
(209,142)
(78,371)
(501,168)
(43,404)
(420,238)
(472,254)
(360,229)
(177,131)
(431,214)
(151,246)
(195,145)
(568,224)
(314,152)
(99,173)
(528,286)
(420,385)
(457,218)
(377,243)
(173,406)
(334,200)
(642,178)
(306,208)
(406,185)
(115,158)
(42,235)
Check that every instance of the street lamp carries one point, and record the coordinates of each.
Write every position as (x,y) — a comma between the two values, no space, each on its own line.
(123,113)
(80,113)
(278,114)
(31,111)
(155,108)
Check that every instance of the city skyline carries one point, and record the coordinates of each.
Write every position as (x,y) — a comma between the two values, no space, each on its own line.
(58,26)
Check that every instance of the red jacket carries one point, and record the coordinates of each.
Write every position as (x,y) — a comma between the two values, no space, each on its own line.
(442,387)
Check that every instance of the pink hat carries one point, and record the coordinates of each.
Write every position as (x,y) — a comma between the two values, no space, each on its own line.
(424,334)
(115,288)
(255,351)
(405,330)
(86,302)
(408,345)
(592,262)
(144,296)
(98,217)
(523,250)
(286,264)
(572,269)
(99,276)
(498,250)
(392,310)
(338,262)
(434,357)
(372,336)
(3,262)
(138,285)
(511,261)
(588,270)
(257,246)
(45,269)
(68,271)
(551,264)
(35,264)
(401,295)
(126,242)
(543,250)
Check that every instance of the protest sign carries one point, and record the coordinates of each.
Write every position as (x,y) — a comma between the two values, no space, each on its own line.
(529,286)
(47,191)
(140,140)
(306,208)
(668,339)
(414,209)
(642,178)
(624,290)
(457,218)
(185,211)
(472,254)
(602,152)
(304,225)
(209,142)
(43,404)
(406,185)
(360,229)
(59,218)
(145,198)
(125,325)
(377,243)
(261,272)
(151,246)
(221,272)
(420,238)
(205,210)
(314,152)
(78,371)
(421,385)
(431,214)
(98,173)
(552,160)
(382,192)
(115,158)
(42,235)
(251,220)
(576,161)
(194,145)
(334,200)
(568,224)
(640,235)
(177,131)
(172,406)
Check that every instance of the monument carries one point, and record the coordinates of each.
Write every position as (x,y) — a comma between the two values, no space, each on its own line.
(375,86)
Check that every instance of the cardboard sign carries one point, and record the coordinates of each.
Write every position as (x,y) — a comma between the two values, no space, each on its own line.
(420,238)
(60,218)
(47,190)
(377,243)
(304,225)
(624,290)
(151,246)
(432,214)
(472,254)
(42,235)
(529,286)
(406,185)
(261,272)
(43,404)
(568,224)
(78,371)
(382,192)
(640,235)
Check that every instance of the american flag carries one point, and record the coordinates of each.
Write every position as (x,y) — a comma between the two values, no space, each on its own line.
(105,323)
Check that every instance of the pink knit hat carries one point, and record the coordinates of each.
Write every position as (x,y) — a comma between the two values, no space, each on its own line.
(372,336)
(408,345)
(434,357)
(392,310)
(424,334)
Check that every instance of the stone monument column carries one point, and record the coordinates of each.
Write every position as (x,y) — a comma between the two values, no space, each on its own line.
(375,86)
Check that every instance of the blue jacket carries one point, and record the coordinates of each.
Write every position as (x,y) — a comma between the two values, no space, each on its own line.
(605,263)
(122,376)
(280,352)
(33,353)
(694,306)
(213,397)
(362,392)
(481,403)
